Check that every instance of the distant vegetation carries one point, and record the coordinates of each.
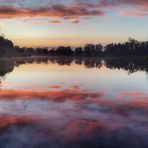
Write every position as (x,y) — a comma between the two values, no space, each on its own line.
(132,48)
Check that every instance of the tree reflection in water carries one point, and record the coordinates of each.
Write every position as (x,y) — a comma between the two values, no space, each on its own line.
(128,64)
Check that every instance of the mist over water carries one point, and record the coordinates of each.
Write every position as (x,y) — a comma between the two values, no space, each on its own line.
(66,102)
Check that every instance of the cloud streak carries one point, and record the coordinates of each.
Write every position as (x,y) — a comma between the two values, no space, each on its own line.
(72,10)
(72,93)
(72,13)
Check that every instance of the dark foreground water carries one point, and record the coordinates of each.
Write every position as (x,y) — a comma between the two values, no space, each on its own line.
(73,103)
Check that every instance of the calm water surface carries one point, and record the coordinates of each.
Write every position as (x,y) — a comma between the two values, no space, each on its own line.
(73,103)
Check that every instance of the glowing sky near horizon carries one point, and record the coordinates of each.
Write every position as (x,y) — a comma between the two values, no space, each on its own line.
(73,22)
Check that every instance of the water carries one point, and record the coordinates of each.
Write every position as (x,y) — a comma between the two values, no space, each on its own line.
(66,102)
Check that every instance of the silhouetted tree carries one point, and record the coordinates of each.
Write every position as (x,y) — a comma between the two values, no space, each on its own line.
(89,50)
(64,51)
(131,48)
(79,51)
(52,52)
(6,47)
(98,50)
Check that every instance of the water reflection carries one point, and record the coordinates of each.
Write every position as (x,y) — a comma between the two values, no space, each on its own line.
(129,64)
(107,110)
(72,118)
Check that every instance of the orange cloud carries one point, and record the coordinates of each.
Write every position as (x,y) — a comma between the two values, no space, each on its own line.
(40,21)
(73,93)
(60,11)
(55,86)
(133,14)
(55,22)
(6,121)
(132,94)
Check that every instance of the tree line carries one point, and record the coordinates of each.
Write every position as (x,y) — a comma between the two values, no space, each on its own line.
(131,48)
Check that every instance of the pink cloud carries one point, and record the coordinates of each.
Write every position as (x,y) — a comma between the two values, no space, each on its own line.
(72,13)
(72,93)
(127,8)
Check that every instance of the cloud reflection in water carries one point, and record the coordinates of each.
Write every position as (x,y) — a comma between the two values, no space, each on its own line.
(72,117)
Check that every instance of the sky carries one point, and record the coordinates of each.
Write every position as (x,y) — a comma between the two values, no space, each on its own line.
(49,23)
